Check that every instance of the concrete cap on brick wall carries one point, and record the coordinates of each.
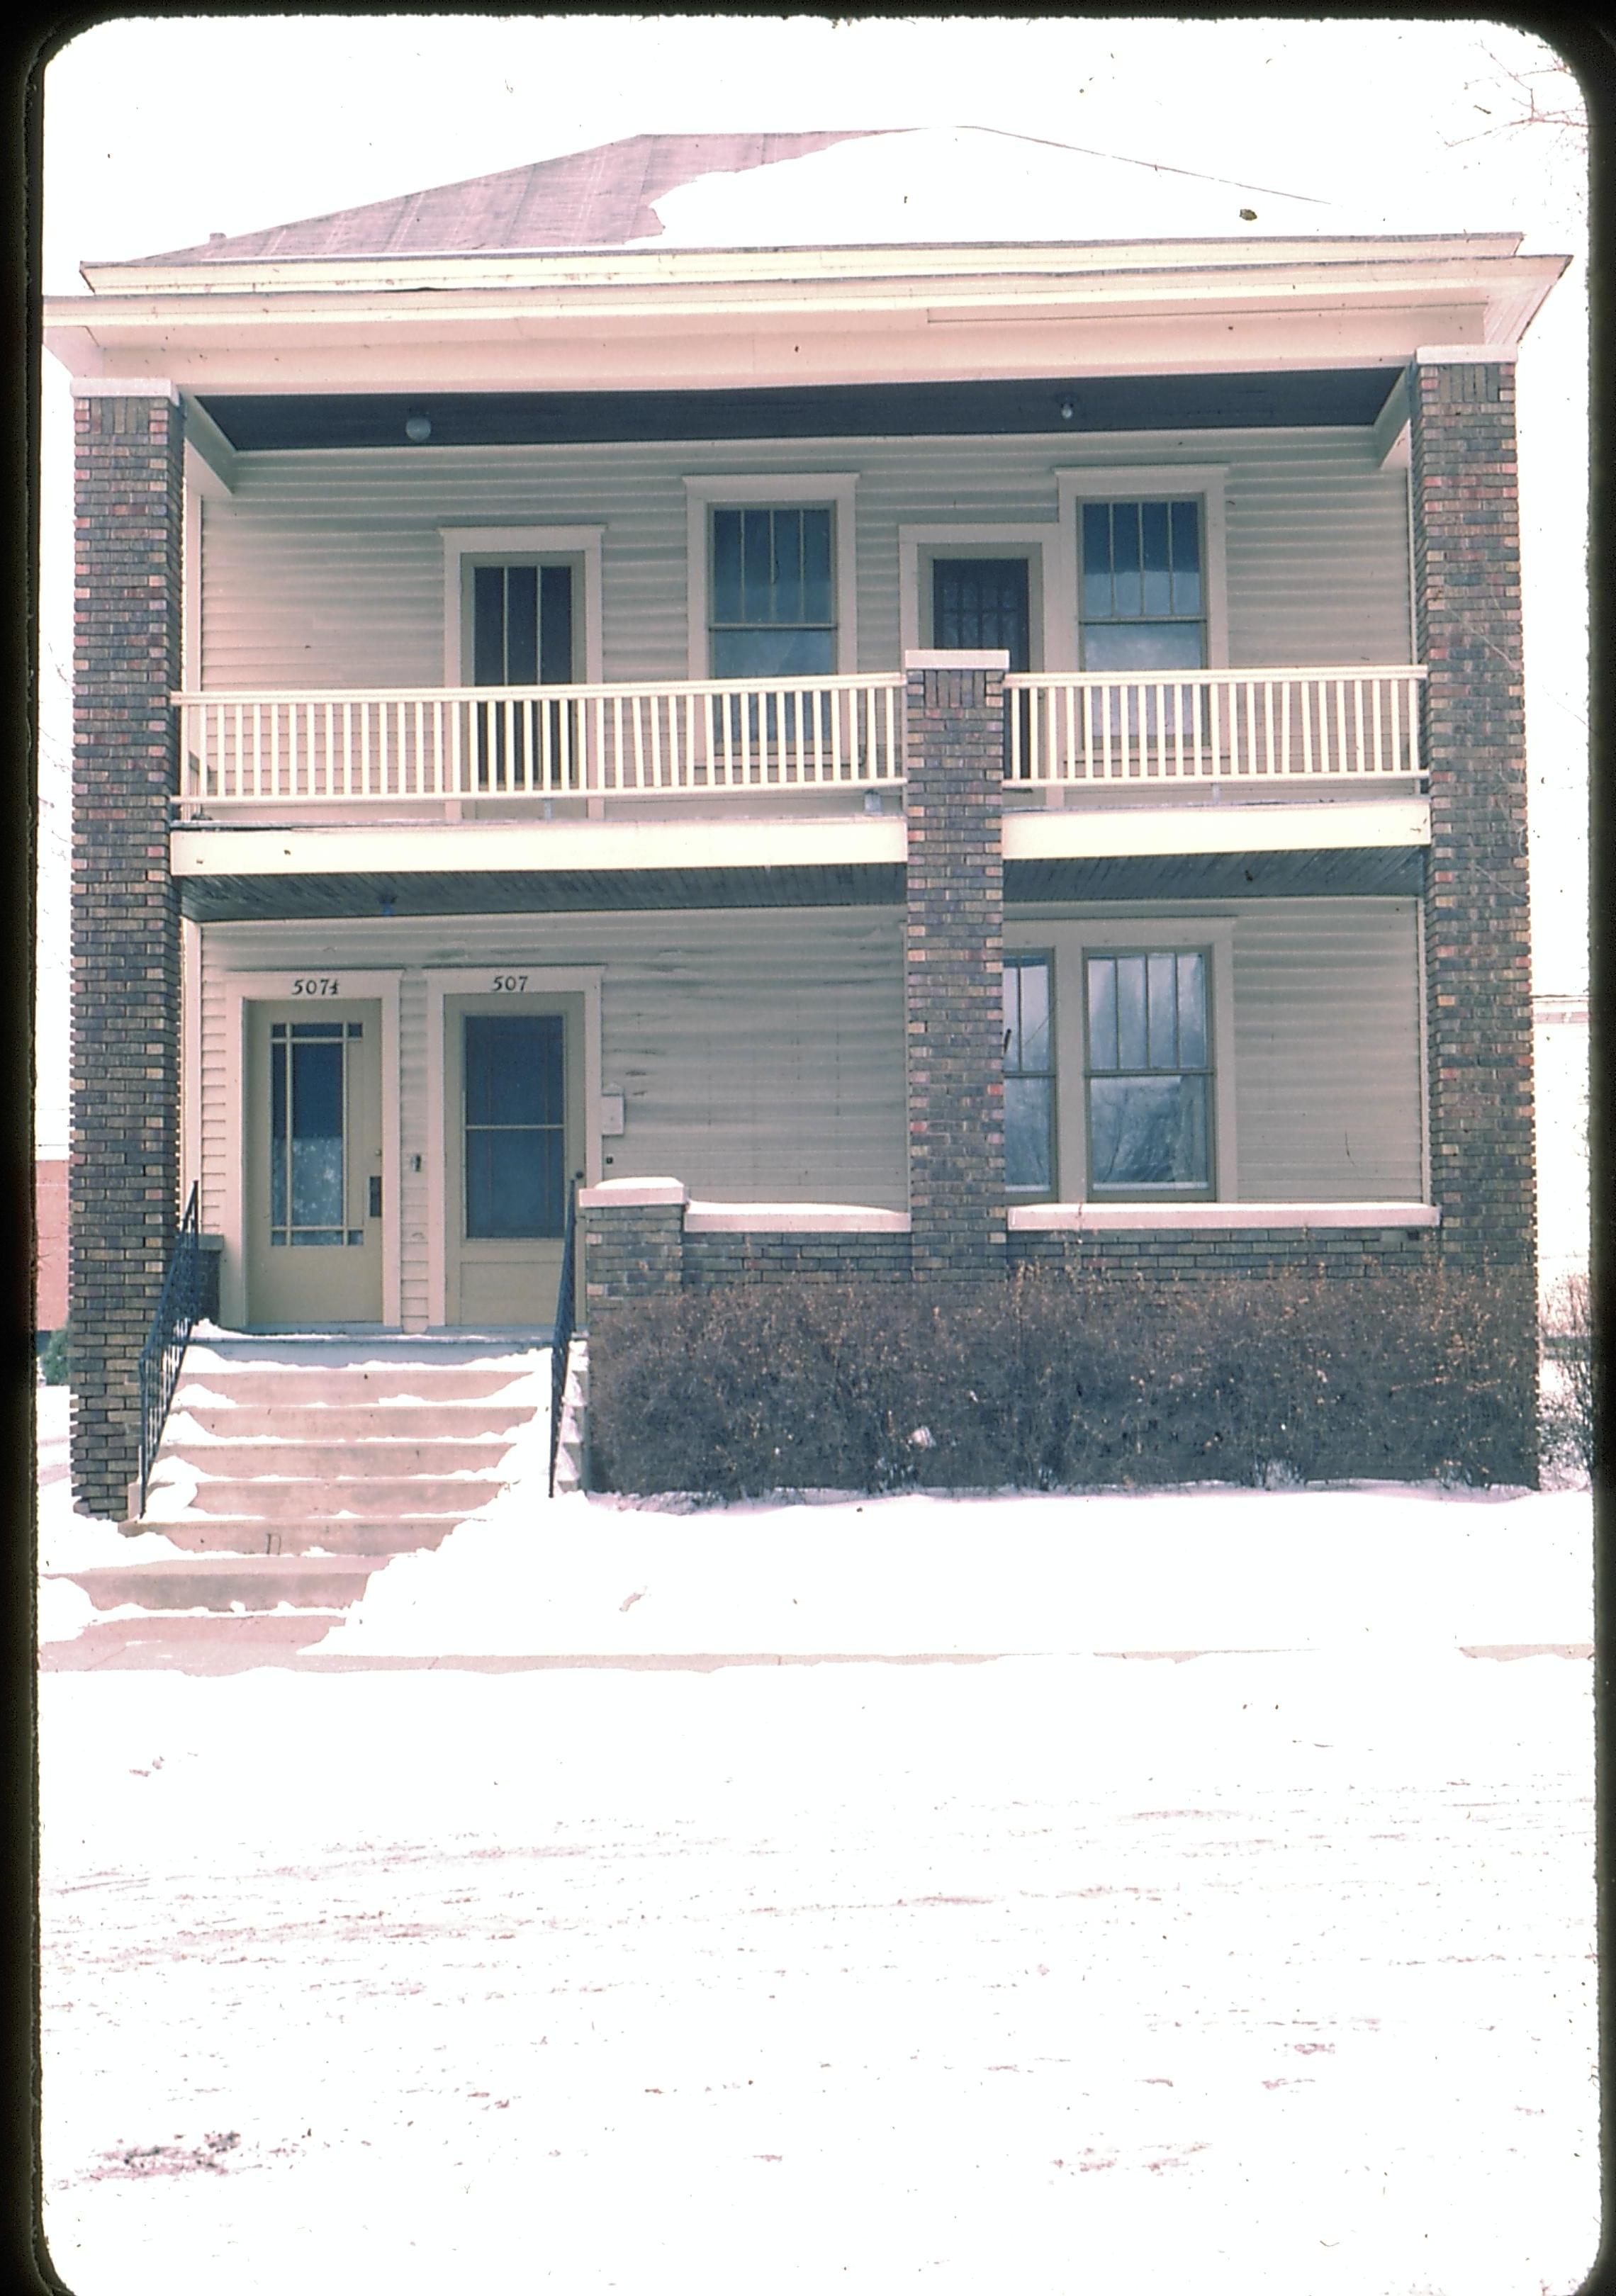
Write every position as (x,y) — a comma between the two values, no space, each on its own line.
(632,1191)
(1228,1217)
(797,1219)
(980,658)
(110,386)
(1466,354)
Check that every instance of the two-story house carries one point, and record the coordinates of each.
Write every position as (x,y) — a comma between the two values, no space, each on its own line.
(894,760)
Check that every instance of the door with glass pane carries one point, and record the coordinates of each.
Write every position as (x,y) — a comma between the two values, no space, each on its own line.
(314,1164)
(524,634)
(512,1101)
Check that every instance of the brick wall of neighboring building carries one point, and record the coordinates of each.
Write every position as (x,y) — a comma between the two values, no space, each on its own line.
(1478,960)
(954,968)
(124,1169)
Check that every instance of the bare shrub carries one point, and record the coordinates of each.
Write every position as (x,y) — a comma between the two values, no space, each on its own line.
(1060,1380)
(1567,1427)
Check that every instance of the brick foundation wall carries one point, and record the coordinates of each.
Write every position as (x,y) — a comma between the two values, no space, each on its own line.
(124,1165)
(1477,921)
(631,1251)
(756,1257)
(954,968)
(1179,1256)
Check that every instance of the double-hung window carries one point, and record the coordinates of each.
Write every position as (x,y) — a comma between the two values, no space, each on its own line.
(772,603)
(1149,1073)
(1143,591)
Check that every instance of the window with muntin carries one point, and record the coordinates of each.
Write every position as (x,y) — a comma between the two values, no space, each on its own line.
(1149,1073)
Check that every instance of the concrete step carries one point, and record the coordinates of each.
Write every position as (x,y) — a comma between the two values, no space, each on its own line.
(314,1533)
(325,1422)
(229,1583)
(305,1384)
(365,1497)
(364,1460)
(213,1643)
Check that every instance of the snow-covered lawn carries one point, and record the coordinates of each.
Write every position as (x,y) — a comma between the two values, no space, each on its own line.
(1038,1972)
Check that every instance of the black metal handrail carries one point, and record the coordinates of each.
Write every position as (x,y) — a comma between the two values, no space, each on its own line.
(560,1336)
(179,1306)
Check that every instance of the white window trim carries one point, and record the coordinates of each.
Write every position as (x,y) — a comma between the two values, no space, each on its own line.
(784,490)
(1066,941)
(1143,481)
(442,982)
(994,541)
(489,543)
(241,990)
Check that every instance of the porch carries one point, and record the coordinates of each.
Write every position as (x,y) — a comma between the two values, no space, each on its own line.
(800,748)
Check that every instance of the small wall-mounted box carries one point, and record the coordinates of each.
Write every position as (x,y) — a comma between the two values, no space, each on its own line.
(611,1115)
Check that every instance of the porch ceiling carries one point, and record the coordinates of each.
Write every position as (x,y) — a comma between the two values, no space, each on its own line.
(439,893)
(1129,877)
(1332,397)
(1169,877)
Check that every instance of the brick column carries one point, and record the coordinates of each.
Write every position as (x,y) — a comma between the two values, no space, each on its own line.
(954,964)
(634,1239)
(124,1169)
(1478,958)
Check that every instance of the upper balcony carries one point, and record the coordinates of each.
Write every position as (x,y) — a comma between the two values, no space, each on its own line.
(785,747)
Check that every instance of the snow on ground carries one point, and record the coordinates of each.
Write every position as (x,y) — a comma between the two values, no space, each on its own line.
(1247,1972)
(1160,1570)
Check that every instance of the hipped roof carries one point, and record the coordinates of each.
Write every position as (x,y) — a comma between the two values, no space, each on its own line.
(599,198)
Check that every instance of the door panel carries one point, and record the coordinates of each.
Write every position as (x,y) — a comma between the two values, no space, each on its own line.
(513,1101)
(313,1172)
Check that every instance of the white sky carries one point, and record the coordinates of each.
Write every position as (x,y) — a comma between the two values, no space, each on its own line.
(160,131)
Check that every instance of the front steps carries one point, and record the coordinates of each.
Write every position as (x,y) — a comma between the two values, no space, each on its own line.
(361,1448)
(292,1469)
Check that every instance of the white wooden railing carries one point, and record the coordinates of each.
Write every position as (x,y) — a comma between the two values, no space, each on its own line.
(1213,725)
(674,739)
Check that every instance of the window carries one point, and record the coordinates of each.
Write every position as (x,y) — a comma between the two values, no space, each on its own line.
(515,1151)
(308,1129)
(522,625)
(982,602)
(773,595)
(1029,1076)
(1149,1073)
(1143,591)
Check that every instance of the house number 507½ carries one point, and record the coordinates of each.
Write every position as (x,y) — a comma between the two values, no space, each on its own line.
(315,984)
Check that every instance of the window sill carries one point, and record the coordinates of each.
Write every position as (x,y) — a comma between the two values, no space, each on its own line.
(1182,1219)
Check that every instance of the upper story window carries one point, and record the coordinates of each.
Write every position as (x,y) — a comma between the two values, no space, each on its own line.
(522,625)
(1144,602)
(773,608)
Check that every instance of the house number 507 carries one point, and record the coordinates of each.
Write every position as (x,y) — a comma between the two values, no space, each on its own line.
(510,980)
(315,984)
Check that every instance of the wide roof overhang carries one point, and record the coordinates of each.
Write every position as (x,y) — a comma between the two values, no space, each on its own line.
(647,324)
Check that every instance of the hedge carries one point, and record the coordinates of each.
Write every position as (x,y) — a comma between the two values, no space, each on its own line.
(1055,1380)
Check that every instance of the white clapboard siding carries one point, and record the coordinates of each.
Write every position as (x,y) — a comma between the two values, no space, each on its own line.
(327,569)
(1327,1051)
(760,1052)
